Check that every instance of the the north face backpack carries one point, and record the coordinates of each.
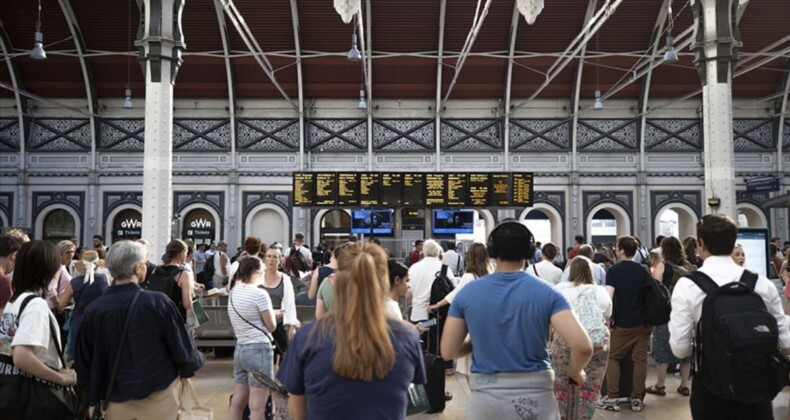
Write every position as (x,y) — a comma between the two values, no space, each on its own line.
(590,315)
(736,351)
(440,288)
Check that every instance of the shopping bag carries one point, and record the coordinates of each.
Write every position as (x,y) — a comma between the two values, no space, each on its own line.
(417,400)
(189,408)
(197,316)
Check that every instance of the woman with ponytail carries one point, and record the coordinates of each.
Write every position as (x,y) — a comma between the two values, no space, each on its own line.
(355,362)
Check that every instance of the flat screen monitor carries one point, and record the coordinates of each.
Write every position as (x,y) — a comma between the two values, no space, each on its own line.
(379,220)
(449,222)
(755,246)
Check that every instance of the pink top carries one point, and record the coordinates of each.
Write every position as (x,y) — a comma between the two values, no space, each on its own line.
(57,285)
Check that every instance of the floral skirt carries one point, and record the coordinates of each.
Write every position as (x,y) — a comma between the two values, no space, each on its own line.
(584,395)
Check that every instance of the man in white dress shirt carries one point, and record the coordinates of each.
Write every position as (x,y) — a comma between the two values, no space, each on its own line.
(716,237)
(453,260)
(546,269)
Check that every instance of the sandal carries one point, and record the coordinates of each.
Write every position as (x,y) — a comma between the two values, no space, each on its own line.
(684,391)
(657,390)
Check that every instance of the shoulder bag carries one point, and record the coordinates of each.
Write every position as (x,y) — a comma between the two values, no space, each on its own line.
(28,397)
(266,333)
(101,407)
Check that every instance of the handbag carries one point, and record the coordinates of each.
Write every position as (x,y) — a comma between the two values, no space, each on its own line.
(417,400)
(101,407)
(197,316)
(28,397)
(189,407)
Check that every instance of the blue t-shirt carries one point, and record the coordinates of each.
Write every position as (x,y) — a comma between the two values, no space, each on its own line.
(307,370)
(508,316)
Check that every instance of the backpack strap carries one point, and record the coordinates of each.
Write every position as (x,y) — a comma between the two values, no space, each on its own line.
(749,279)
(703,281)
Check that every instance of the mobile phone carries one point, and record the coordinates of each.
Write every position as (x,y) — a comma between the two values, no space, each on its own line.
(428,323)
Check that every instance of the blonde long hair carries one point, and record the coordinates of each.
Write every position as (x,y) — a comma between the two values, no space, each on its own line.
(358,321)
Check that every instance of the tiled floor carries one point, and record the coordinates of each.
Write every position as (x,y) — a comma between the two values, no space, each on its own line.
(213,384)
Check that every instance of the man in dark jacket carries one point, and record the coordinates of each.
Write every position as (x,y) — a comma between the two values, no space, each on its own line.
(156,351)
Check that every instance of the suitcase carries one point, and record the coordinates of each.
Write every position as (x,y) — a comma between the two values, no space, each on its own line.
(435,372)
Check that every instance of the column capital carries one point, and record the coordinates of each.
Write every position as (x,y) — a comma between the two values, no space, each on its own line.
(717,37)
(160,37)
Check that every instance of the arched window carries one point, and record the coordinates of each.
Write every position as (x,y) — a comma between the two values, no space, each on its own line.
(59,225)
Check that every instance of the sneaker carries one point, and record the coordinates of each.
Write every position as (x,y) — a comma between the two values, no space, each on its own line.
(606,403)
(636,405)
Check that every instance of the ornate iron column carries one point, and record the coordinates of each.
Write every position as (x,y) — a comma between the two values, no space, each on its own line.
(716,47)
(160,40)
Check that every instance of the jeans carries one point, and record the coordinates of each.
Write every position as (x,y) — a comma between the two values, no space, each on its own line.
(252,357)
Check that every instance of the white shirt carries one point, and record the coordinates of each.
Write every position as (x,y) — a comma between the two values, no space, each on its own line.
(687,303)
(308,256)
(392,308)
(454,261)
(546,270)
(218,277)
(421,277)
(248,301)
(33,330)
(571,292)
(599,274)
(463,281)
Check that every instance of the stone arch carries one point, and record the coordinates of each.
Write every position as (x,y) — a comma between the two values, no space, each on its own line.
(4,222)
(110,219)
(203,206)
(687,219)
(42,215)
(621,216)
(489,218)
(754,214)
(318,217)
(555,218)
(256,212)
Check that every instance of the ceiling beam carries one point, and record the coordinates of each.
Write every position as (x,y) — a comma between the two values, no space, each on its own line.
(87,73)
(19,99)
(577,83)
(480,17)
(439,69)
(369,79)
(223,31)
(509,82)
(299,79)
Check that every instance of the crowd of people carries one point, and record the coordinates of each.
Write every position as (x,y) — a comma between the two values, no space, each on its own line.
(535,332)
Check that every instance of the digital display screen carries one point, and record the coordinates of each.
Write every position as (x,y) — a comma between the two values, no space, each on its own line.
(347,189)
(369,188)
(456,190)
(304,188)
(391,189)
(478,190)
(500,191)
(755,246)
(413,185)
(522,189)
(326,189)
(378,222)
(435,189)
(448,222)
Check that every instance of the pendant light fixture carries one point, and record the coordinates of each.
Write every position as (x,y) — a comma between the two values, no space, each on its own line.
(127,103)
(353,53)
(670,55)
(363,104)
(38,52)
(598,104)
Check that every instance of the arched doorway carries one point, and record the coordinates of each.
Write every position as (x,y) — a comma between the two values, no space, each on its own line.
(750,215)
(605,226)
(269,222)
(127,224)
(335,226)
(59,225)
(675,219)
(538,217)
(200,226)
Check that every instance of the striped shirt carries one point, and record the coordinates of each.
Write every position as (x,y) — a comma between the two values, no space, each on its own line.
(249,301)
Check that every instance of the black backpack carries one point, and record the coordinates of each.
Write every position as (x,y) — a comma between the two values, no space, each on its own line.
(441,287)
(656,301)
(297,260)
(208,268)
(736,352)
(163,279)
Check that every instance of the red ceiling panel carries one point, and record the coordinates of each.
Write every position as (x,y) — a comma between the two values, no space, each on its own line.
(252,82)
(389,82)
(554,29)
(105,25)
(270,23)
(422,32)
(322,29)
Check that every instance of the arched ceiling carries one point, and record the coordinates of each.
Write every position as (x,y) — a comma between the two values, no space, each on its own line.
(405,39)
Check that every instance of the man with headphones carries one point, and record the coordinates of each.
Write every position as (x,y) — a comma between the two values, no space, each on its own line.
(508,315)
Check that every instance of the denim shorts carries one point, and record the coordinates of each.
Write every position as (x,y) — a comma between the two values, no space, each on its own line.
(252,357)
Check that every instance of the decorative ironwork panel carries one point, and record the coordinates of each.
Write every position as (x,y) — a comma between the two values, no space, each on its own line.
(554,199)
(9,134)
(606,135)
(251,200)
(469,135)
(786,136)
(271,135)
(337,135)
(202,134)
(756,198)
(673,135)
(122,134)
(540,135)
(214,199)
(114,199)
(659,199)
(63,134)
(752,134)
(7,206)
(400,135)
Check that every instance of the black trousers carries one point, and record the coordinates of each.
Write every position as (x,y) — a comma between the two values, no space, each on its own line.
(706,406)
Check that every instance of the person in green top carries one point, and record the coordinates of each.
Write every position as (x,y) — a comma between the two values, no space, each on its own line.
(325,299)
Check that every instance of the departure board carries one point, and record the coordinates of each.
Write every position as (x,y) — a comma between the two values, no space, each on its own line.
(413,185)
(456,189)
(479,188)
(522,189)
(436,189)
(304,188)
(499,195)
(391,189)
(369,188)
(347,189)
(325,189)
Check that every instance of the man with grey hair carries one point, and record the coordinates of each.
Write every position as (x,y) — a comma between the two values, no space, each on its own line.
(599,274)
(421,277)
(151,386)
